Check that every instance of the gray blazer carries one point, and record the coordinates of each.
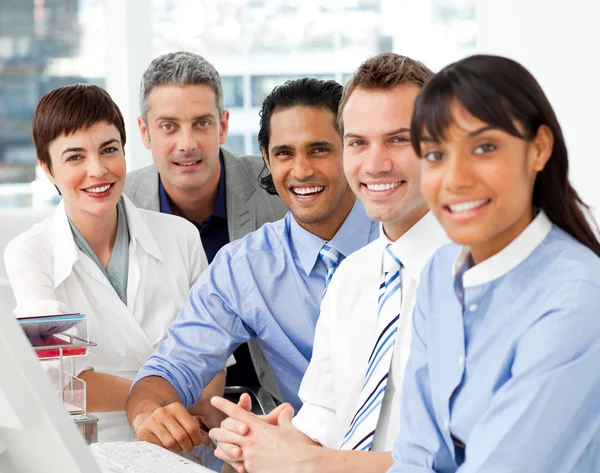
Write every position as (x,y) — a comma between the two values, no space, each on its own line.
(248,208)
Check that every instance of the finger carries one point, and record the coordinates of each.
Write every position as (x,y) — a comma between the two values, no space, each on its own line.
(237,466)
(245,402)
(179,433)
(235,426)
(191,425)
(233,452)
(271,417)
(233,410)
(165,438)
(285,418)
(227,436)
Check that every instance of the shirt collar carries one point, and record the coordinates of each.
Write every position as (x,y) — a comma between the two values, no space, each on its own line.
(66,252)
(416,247)
(220,209)
(508,258)
(352,235)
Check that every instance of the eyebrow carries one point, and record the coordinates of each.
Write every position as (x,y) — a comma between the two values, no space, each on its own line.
(389,133)
(79,150)
(472,134)
(173,119)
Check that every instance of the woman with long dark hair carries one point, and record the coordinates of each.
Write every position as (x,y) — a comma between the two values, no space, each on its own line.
(504,374)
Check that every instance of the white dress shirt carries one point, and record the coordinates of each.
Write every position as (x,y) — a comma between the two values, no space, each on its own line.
(50,275)
(346,333)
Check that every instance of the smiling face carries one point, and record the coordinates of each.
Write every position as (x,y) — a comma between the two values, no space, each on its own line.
(88,167)
(305,160)
(479,181)
(380,164)
(183,130)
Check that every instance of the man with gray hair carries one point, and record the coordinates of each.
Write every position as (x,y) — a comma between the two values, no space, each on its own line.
(184,124)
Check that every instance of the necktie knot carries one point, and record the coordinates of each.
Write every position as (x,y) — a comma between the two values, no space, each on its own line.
(331,257)
(391,262)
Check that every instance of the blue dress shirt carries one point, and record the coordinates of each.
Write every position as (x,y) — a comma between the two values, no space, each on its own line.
(505,360)
(267,285)
(213,231)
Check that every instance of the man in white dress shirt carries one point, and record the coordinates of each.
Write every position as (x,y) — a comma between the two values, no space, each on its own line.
(351,390)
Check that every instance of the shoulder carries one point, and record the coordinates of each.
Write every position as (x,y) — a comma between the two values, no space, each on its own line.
(251,164)
(34,244)
(269,238)
(171,226)
(439,268)
(139,180)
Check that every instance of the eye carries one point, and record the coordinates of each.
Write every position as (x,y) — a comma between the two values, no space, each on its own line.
(432,156)
(484,148)
(75,158)
(167,126)
(283,153)
(320,150)
(110,150)
(204,123)
(400,139)
(356,143)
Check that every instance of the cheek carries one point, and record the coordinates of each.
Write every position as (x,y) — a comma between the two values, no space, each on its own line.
(431,181)
(68,180)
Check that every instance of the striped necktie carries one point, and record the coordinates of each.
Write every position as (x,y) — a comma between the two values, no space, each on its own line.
(332,258)
(361,431)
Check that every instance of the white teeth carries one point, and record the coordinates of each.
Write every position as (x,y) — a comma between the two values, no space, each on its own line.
(98,190)
(382,187)
(188,164)
(307,190)
(466,206)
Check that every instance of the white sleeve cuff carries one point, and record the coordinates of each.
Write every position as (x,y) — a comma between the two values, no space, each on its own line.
(318,424)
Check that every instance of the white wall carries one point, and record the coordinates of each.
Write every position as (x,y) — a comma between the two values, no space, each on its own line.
(559,43)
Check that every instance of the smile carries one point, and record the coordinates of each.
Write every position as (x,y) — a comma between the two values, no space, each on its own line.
(383,187)
(307,192)
(466,206)
(98,189)
(191,163)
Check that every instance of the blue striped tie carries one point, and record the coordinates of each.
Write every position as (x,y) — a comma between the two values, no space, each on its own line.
(361,431)
(332,258)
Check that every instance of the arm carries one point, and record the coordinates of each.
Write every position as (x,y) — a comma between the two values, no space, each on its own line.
(546,415)
(420,441)
(105,392)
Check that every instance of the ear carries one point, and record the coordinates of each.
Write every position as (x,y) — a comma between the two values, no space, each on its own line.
(543,144)
(224,127)
(46,171)
(266,159)
(144,132)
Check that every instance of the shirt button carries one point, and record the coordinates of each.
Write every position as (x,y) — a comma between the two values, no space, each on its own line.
(446,424)
(461,360)
(473,307)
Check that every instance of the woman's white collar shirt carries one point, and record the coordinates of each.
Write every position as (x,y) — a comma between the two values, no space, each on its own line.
(50,275)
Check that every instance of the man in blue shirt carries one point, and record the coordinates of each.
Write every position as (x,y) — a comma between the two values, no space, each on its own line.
(268,285)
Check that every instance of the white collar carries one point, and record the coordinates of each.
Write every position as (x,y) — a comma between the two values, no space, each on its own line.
(508,258)
(418,244)
(66,252)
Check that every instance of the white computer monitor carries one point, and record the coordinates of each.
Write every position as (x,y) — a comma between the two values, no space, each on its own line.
(36,433)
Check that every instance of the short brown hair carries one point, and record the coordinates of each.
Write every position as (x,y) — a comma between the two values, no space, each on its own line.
(382,72)
(69,109)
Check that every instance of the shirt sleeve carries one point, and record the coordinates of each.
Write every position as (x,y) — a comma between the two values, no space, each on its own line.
(198,260)
(207,330)
(546,414)
(420,441)
(317,418)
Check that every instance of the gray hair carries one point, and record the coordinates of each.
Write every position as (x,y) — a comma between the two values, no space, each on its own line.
(180,68)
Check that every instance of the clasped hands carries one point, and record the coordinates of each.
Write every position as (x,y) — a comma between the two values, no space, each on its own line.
(261,444)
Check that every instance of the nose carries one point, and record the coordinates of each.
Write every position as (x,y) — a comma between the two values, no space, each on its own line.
(458,174)
(96,167)
(302,167)
(377,160)
(187,141)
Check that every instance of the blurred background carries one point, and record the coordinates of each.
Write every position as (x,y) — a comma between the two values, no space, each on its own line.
(257,44)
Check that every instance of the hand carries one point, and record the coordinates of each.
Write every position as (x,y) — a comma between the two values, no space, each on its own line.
(232,453)
(171,427)
(264,447)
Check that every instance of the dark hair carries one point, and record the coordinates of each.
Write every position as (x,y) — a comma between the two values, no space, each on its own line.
(383,72)
(499,91)
(305,92)
(71,108)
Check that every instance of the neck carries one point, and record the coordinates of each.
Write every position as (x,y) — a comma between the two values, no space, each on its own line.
(395,229)
(100,231)
(481,252)
(328,227)
(195,205)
